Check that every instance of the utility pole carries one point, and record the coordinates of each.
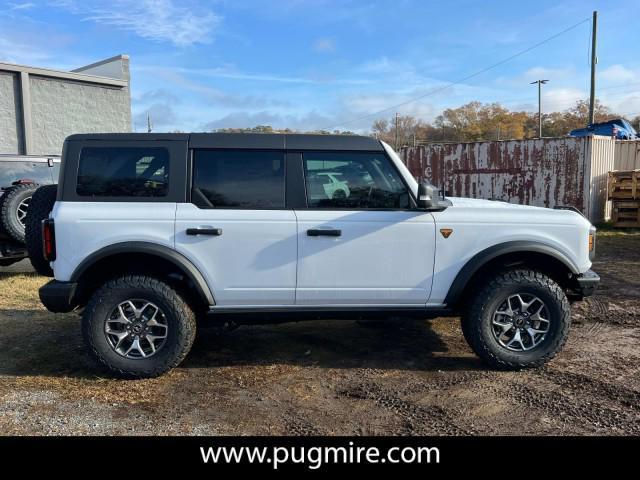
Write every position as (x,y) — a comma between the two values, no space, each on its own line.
(540,83)
(397,117)
(594,61)
(149,126)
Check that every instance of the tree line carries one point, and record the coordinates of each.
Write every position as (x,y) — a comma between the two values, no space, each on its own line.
(471,122)
(477,121)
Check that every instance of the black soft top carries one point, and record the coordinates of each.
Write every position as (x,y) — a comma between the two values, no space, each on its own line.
(261,141)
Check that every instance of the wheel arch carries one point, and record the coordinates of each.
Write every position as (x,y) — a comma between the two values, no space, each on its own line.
(536,255)
(150,257)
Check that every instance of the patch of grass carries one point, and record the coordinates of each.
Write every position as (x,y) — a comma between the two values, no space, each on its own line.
(607,229)
(20,291)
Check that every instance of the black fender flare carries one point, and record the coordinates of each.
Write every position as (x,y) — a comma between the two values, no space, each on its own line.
(166,253)
(483,257)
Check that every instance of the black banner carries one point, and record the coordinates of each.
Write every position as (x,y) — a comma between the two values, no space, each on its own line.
(323,454)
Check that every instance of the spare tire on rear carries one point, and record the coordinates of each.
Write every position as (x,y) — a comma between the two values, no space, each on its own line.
(40,207)
(13,209)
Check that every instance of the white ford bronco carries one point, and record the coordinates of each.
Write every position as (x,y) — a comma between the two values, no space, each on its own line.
(151,234)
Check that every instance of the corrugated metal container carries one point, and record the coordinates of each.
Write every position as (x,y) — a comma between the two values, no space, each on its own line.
(602,155)
(627,155)
(543,172)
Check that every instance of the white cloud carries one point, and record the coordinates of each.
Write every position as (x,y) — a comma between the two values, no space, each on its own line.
(22,6)
(179,23)
(230,72)
(619,74)
(628,105)
(161,115)
(554,75)
(13,50)
(324,45)
(557,99)
(30,44)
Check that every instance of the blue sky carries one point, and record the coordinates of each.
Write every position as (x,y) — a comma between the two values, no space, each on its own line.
(307,64)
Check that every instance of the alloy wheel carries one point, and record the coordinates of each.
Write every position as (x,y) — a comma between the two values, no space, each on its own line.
(521,322)
(136,329)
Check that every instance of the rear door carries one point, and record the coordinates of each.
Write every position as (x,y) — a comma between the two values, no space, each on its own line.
(113,192)
(360,241)
(236,228)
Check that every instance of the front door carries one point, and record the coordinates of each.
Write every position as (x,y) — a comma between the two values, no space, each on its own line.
(236,229)
(360,242)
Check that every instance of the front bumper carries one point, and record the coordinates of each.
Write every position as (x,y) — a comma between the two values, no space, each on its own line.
(58,297)
(586,283)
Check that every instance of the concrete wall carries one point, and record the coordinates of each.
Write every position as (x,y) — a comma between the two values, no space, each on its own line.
(39,108)
(10,130)
(542,172)
(60,108)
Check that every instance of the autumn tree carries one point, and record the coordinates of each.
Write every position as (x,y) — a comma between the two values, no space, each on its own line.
(408,128)
(476,121)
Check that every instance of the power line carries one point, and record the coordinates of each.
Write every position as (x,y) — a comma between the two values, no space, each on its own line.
(464,79)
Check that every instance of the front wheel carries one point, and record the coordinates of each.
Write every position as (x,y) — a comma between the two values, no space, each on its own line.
(138,327)
(519,319)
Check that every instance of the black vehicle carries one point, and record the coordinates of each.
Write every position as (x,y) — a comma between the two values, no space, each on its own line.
(20,176)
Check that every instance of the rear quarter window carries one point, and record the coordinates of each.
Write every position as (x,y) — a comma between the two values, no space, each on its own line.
(123,172)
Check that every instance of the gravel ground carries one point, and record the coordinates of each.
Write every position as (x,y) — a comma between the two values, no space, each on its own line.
(331,377)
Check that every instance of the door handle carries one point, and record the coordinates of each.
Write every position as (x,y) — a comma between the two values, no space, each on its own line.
(325,232)
(204,231)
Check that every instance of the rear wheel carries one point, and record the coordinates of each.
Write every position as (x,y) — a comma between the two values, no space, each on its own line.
(14,205)
(520,319)
(138,327)
(41,205)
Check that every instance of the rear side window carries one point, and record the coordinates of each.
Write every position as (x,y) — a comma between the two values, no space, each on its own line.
(356,180)
(238,179)
(123,172)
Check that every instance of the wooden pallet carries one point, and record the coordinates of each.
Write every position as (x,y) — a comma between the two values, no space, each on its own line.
(624,185)
(626,213)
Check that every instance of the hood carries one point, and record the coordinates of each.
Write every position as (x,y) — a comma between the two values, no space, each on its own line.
(479,203)
(482,203)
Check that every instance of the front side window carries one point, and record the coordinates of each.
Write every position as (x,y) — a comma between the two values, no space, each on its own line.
(353,180)
(238,179)
(123,172)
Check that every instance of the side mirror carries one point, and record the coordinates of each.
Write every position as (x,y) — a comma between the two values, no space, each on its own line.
(426,196)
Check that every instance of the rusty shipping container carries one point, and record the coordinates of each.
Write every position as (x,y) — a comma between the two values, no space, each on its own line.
(542,172)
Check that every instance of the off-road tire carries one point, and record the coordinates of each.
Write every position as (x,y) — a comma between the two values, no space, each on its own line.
(477,320)
(9,203)
(40,207)
(180,319)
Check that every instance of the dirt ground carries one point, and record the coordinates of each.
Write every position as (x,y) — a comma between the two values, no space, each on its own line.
(331,377)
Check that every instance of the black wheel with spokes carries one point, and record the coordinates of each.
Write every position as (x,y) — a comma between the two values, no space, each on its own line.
(519,319)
